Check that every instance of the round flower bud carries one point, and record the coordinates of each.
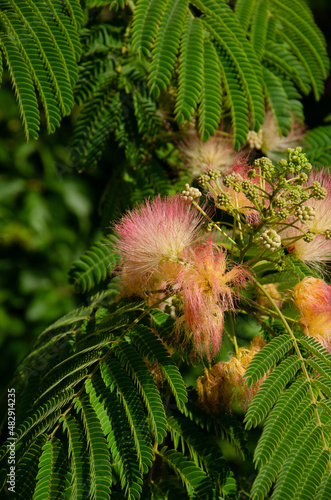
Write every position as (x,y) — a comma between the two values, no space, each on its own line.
(270,239)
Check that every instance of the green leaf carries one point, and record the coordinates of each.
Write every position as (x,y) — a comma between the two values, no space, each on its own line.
(52,468)
(194,478)
(278,101)
(99,463)
(190,69)
(146,387)
(95,265)
(147,15)
(78,454)
(149,345)
(267,358)
(259,27)
(166,45)
(211,92)
(270,390)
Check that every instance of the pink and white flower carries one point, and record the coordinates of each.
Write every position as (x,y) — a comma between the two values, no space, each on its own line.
(216,153)
(317,251)
(153,235)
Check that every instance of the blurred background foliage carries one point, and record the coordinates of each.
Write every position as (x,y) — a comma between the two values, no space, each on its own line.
(50,214)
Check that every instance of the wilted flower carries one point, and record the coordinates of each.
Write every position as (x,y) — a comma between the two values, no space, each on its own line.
(152,238)
(312,297)
(272,290)
(208,289)
(224,384)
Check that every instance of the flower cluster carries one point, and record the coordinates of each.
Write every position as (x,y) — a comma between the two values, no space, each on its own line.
(207,289)
(162,250)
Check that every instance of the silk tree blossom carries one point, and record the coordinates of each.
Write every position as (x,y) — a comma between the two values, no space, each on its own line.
(318,249)
(270,141)
(312,297)
(216,153)
(207,289)
(153,238)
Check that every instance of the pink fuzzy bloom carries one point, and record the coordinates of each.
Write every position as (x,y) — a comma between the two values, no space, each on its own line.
(207,290)
(318,250)
(155,234)
(313,299)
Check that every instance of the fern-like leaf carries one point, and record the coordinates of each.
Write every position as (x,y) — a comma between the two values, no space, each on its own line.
(146,387)
(52,467)
(149,345)
(270,390)
(211,92)
(267,358)
(147,15)
(100,470)
(194,478)
(117,379)
(94,266)
(259,27)
(166,45)
(78,455)
(278,101)
(43,60)
(190,69)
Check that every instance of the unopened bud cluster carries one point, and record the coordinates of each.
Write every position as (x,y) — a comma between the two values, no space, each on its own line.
(190,193)
(296,161)
(255,139)
(270,239)
(305,213)
(317,191)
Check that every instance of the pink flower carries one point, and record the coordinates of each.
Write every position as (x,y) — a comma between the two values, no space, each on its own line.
(318,250)
(155,234)
(207,290)
(313,299)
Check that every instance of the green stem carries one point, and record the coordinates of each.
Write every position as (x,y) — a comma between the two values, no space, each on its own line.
(213,223)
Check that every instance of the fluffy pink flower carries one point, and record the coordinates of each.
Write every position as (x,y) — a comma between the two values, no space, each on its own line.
(312,297)
(155,234)
(318,250)
(208,289)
